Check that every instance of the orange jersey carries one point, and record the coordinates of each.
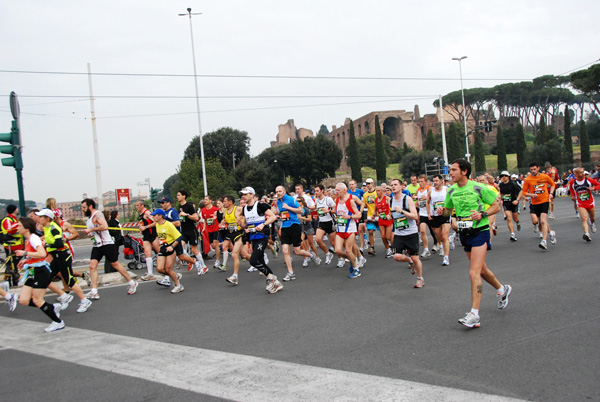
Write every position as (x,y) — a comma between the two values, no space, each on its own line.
(539,185)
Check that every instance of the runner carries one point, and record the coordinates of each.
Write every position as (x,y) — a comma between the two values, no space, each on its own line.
(421,198)
(8,227)
(169,238)
(211,226)
(308,232)
(382,218)
(581,192)
(510,193)
(413,187)
(189,233)
(325,207)
(150,240)
(369,198)
(103,246)
(536,186)
(552,172)
(439,223)
(233,237)
(406,233)
(346,215)
(359,193)
(467,198)
(256,218)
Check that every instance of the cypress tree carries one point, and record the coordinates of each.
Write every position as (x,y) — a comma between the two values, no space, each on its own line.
(521,145)
(501,150)
(380,155)
(568,139)
(430,141)
(405,149)
(584,143)
(542,137)
(353,157)
(479,154)
(454,148)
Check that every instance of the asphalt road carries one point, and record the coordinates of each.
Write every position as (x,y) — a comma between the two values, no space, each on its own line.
(543,347)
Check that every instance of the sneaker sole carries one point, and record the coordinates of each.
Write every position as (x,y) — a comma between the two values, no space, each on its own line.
(507,296)
(470,326)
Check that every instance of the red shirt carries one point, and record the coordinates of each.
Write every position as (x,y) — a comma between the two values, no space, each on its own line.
(210,216)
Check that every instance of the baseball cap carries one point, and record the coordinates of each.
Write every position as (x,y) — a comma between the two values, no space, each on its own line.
(165,199)
(514,176)
(159,212)
(46,212)
(586,172)
(369,180)
(364,184)
(504,173)
(247,190)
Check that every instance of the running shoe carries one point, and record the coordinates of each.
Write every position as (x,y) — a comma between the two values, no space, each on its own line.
(543,245)
(290,276)
(434,249)
(372,251)
(587,237)
(179,276)
(317,261)
(361,261)
(518,226)
(55,326)
(446,261)
(148,277)
(470,320)
(441,251)
(513,237)
(494,230)
(577,214)
(305,262)
(411,266)
(13,301)
(552,237)
(550,215)
(166,281)
(131,289)
(425,253)
(503,298)
(275,287)
(92,295)
(232,279)
(452,246)
(178,288)
(57,309)
(420,283)
(252,269)
(191,265)
(389,253)
(65,299)
(266,258)
(217,264)
(222,268)
(274,252)
(594,227)
(341,263)
(84,305)
(202,271)
(535,229)
(355,274)
(328,258)
(541,236)
(86,277)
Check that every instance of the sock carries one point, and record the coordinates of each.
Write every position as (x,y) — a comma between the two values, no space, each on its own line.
(31,303)
(475,311)
(500,290)
(235,275)
(67,291)
(48,309)
(94,290)
(225,257)
(199,258)
(331,250)
(149,266)
(131,282)
(512,233)
(7,296)
(419,277)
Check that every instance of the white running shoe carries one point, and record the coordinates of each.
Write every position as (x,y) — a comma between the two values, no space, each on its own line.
(361,261)
(84,305)
(470,320)
(317,261)
(131,289)
(202,270)
(446,261)
(266,257)
(341,263)
(425,253)
(65,299)
(594,227)
(552,237)
(57,309)
(13,301)
(55,326)
(177,288)
(252,269)
(217,264)
(434,248)
(441,251)
(92,295)
(305,262)
(328,258)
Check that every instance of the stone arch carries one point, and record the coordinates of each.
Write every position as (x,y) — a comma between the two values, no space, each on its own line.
(359,130)
(367,129)
(343,140)
(391,128)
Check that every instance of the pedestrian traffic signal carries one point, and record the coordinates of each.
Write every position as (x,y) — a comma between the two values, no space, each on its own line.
(13,149)
(154,194)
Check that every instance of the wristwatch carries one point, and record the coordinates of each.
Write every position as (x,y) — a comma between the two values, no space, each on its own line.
(484,214)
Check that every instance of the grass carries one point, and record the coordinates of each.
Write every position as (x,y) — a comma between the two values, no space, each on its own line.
(393,170)
(491,161)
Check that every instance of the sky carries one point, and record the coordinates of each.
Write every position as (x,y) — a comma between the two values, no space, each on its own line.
(246,54)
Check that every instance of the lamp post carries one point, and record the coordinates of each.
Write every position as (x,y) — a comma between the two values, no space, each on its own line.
(189,13)
(459,59)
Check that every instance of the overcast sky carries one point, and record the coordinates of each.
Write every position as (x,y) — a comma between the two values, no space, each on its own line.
(143,128)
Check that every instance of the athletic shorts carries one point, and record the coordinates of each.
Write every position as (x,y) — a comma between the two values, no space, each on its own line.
(540,209)
(41,278)
(233,236)
(190,237)
(385,222)
(163,251)
(409,243)
(423,219)
(363,217)
(327,227)
(344,235)
(148,236)
(223,234)
(510,207)
(308,230)
(315,225)
(479,239)
(292,235)
(61,262)
(108,251)
(372,226)
(213,237)
(437,221)
(587,207)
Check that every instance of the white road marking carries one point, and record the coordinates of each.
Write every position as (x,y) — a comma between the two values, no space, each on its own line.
(220,374)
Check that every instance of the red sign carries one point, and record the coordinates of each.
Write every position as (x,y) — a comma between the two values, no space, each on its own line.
(123,196)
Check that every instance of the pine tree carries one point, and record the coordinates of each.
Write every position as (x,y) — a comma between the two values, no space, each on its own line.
(568,158)
(584,143)
(542,137)
(353,157)
(521,146)
(380,155)
(479,154)
(501,150)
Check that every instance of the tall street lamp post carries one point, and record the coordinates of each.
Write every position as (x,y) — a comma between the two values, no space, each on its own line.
(459,59)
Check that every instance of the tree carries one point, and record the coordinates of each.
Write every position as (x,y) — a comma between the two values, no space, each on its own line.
(353,157)
(542,136)
(521,146)
(479,154)
(414,163)
(171,185)
(501,150)
(367,150)
(455,134)
(217,178)
(584,143)
(588,82)
(430,143)
(314,159)
(323,129)
(568,157)
(252,173)
(380,155)
(224,145)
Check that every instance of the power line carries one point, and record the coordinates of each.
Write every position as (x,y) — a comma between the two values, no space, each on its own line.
(223,96)
(577,68)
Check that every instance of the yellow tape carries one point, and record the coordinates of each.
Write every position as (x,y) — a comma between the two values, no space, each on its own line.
(127,229)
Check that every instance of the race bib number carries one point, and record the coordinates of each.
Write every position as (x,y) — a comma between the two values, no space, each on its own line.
(438,204)
(506,197)
(210,222)
(93,239)
(584,196)
(422,203)
(382,215)
(162,241)
(232,227)
(285,215)
(341,221)
(539,189)
(400,223)
(371,199)
(321,211)
(464,223)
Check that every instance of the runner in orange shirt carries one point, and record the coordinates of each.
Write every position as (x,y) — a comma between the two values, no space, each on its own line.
(536,186)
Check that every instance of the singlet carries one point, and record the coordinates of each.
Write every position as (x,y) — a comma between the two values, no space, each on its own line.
(145,222)
(344,225)
(382,208)
(187,224)
(51,234)
(369,198)
(212,223)
(254,218)
(437,199)
(403,225)
(539,185)
(101,238)
(422,200)
(231,220)
(509,191)
(323,204)
(579,189)
(30,246)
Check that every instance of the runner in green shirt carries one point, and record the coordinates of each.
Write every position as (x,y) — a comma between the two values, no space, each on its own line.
(469,199)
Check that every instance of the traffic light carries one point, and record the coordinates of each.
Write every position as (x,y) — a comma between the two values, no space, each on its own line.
(489,125)
(13,149)
(154,194)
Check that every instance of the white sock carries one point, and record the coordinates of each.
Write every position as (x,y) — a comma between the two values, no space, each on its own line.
(7,296)
(500,290)
(475,311)
(200,259)
(94,290)
(131,282)
(149,266)
(225,257)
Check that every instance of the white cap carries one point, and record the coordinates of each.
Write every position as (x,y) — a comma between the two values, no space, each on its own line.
(369,180)
(504,173)
(514,176)
(586,172)
(46,212)
(247,190)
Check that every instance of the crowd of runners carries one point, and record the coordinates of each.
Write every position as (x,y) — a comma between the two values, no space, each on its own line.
(317,225)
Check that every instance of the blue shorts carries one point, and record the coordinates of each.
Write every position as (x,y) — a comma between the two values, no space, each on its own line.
(372,226)
(477,240)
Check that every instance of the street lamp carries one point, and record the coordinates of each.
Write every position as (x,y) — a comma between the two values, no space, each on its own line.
(189,13)
(459,59)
